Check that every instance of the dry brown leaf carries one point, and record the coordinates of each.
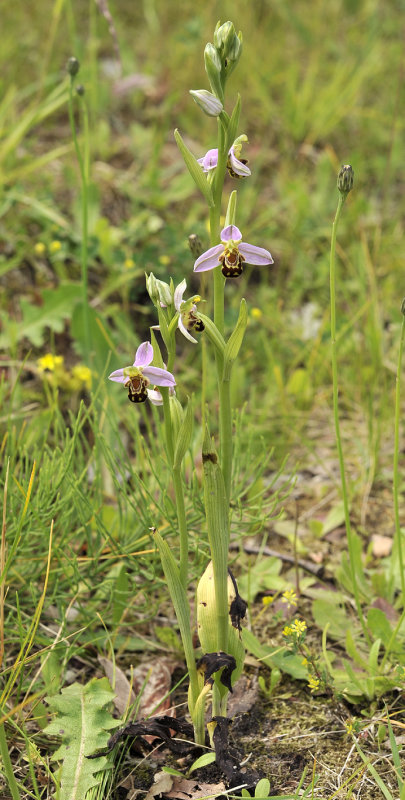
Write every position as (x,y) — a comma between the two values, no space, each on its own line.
(158,678)
(124,695)
(185,789)
(244,696)
(162,782)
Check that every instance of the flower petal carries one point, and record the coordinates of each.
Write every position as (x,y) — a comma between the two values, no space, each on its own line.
(231,232)
(185,332)
(210,160)
(158,376)
(178,294)
(255,255)
(238,166)
(209,259)
(144,355)
(155,397)
(118,376)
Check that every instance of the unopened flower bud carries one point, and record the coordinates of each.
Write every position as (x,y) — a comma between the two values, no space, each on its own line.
(345,179)
(213,69)
(195,245)
(72,66)
(80,90)
(158,291)
(207,101)
(228,44)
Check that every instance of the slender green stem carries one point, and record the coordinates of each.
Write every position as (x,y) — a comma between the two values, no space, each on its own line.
(83,163)
(7,765)
(181,518)
(398,533)
(349,533)
(178,489)
(225,426)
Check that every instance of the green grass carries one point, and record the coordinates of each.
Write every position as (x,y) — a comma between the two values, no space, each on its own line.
(320,87)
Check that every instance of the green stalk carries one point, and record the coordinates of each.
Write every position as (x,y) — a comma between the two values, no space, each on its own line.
(349,533)
(178,489)
(7,766)
(84,176)
(398,534)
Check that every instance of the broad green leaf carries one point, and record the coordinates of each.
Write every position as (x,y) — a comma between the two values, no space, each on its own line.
(57,305)
(235,340)
(83,722)
(324,611)
(379,626)
(195,170)
(274,656)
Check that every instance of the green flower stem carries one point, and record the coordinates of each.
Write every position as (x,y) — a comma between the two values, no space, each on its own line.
(396,456)
(181,518)
(349,533)
(225,427)
(84,176)
(398,534)
(178,489)
(7,766)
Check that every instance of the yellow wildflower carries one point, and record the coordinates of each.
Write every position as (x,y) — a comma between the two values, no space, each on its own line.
(164,259)
(55,246)
(50,363)
(39,248)
(256,313)
(82,376)
(287,631)
(313,683)
(304,662)
(289,597)
(129,263)
(299,626)
(267,600)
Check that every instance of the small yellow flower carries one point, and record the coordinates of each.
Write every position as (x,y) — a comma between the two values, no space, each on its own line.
(129,263)
(349,726)
(82,375)
(39,248)
(256,313)
(287,631)
(304,662)
(299,626)
(267,600)
(313,683)
(164,259)
(55,246)
(290,597)
(50,363)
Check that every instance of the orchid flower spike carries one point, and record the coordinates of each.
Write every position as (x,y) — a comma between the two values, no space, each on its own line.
(236,165)
(232,254)
(188,318)
(138,377)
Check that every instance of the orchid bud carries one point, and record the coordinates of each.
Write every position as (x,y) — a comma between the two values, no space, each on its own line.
(207,101)
(213,69)
(158,291)
(195,245)
(345,179)
(73,66)
(228,44)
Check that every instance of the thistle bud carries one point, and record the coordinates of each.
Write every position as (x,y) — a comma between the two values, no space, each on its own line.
(345,179)
(213,69)
(195,245)
(72,66)
(207,101)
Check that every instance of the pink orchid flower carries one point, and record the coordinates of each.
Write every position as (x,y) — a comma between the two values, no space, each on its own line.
(138,377)
(232,254)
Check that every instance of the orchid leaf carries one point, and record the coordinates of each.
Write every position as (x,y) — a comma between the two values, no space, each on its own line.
(234,342)
(83,721)
(184,436)
(194,169)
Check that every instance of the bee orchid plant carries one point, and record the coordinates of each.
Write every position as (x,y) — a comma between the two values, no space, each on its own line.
(220,609)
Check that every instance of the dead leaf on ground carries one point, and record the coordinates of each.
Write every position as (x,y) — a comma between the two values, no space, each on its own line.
(245,695)
(184,789)
(154,680)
